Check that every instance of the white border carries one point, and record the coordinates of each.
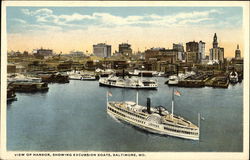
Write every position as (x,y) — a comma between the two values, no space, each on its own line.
(149,155)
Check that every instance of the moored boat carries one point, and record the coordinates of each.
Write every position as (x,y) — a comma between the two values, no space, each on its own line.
(29,87)
(88,77)
(233,77)
(11,96)
(126,82)
(23,78)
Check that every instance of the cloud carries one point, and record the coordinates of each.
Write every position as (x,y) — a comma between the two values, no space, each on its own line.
(43,11)
(46,15)
(19,20)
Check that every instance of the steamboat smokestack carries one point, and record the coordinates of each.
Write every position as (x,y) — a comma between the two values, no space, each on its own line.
(123,73)
(148,105)
(160,112)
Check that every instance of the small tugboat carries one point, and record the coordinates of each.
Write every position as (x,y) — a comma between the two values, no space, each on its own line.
(126,82)
(174,79)
(11,96)
(233,77)
(153,119)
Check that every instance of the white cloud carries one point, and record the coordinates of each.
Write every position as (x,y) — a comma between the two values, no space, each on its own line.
(106,19)
(20,20)
(43,11)
(184,22)
(74,17)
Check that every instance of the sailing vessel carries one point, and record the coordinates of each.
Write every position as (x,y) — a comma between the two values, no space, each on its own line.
(126,82)
(153,119)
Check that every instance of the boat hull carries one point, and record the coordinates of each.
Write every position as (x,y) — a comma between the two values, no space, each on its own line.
(151,130)
(130,87)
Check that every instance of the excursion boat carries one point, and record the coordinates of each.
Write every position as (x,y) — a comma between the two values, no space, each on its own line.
(233,77)
(153,119)
(78,75)
(75,77)
(126,82)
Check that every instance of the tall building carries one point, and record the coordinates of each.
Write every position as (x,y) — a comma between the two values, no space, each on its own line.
(192,52)
(201,55)
(179,47)
(161,54)
(215,42)
(125,49)
(216,53)
(192,47)
(237,53)
(43,52)
(102,50)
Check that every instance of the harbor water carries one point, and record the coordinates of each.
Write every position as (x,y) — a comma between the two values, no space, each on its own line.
(73,117)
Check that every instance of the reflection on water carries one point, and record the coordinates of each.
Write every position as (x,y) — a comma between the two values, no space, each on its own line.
(73,117)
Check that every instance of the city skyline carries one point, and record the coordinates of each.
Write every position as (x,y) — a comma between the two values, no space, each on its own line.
(77,28)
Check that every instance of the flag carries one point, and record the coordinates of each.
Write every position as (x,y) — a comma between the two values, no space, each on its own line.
(202,118)
(177,93)
(110,94)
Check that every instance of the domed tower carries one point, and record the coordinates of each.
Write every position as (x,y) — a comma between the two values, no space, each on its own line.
(215,43)
(237,52)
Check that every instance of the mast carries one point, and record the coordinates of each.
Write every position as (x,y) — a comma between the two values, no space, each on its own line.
(173,103)
(199,118)
(107,98)
(137,97)
(141,75)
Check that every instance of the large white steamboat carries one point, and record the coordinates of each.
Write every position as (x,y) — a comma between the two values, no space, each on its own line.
(153,119)
(136,83)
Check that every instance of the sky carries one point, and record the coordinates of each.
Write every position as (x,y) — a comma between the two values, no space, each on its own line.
(64,29)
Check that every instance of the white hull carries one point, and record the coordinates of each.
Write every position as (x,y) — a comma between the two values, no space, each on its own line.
(126,86)
(75,77)
(173,82)
(128,83)
(88,78)
(151,126)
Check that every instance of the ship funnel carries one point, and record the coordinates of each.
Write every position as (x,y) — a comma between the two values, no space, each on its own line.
(160,111)
(148,105)
(123,73)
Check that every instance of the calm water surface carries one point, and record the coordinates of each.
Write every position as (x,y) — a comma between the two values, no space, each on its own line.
(73,117)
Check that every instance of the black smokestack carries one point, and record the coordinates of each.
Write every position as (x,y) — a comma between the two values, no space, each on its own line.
(123,73)
(148,106)
(160,112)
(177,69)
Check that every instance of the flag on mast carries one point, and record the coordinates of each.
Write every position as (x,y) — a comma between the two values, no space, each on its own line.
(177,93)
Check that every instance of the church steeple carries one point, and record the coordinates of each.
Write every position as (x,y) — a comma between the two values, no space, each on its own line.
(215,43)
